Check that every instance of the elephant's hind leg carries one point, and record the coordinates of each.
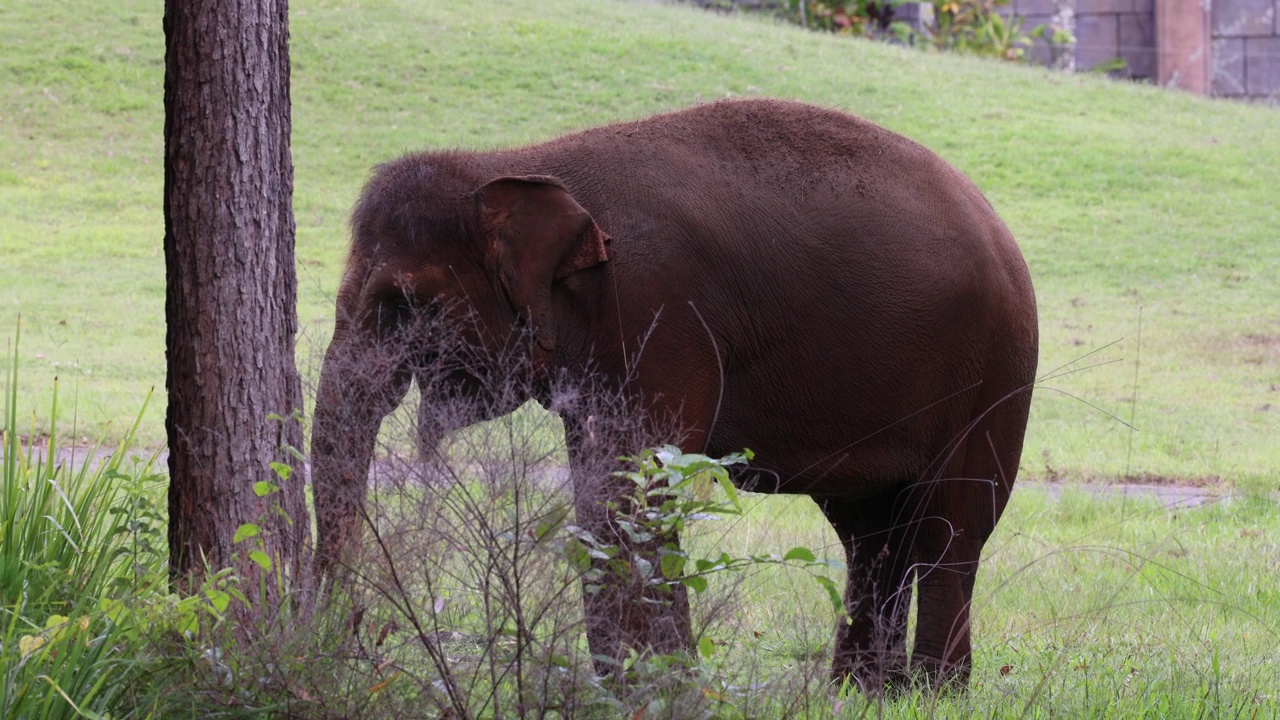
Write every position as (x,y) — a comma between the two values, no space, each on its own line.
(871,647)
(958,512)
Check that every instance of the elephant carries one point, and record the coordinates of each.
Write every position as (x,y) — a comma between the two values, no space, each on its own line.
(777,276)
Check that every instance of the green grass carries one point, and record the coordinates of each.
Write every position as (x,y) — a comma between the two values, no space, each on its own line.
(1086,606)
(1132,204)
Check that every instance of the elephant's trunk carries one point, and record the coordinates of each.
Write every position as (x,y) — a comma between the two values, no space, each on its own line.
(360,382)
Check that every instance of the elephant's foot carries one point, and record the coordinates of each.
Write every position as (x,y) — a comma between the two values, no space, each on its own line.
(930,675)
(871,672)
(884,674)
(622,619)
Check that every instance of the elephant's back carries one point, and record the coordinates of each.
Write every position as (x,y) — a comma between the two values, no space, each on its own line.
(769,178)
(783,149)
(757,193)
(852,277)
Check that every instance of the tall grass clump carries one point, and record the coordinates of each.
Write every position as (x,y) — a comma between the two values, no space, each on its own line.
(73,540)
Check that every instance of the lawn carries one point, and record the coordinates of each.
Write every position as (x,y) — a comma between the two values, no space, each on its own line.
(1086,606)
(1149,219)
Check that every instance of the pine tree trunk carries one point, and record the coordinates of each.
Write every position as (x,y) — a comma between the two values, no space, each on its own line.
(231,284)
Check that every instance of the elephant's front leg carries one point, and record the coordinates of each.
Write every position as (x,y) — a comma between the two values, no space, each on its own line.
(871,646)
(626,607)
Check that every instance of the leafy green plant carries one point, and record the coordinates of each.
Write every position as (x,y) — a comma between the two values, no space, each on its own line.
(74,541)
(64,667)
(227,642)
(861,18)
(970,26)
(1004,38)
(977,27)
(275,575)
(1111,65)
(674,489)
(58,533)
(1060,41)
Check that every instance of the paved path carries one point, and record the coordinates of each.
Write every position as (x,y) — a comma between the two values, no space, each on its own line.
(1171,496)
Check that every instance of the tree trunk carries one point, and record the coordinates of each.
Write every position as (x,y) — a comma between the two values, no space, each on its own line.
(231,285)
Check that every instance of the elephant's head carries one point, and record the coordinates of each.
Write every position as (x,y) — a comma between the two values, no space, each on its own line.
(445,274)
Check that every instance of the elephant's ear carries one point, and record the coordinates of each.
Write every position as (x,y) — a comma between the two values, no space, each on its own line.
(537,233)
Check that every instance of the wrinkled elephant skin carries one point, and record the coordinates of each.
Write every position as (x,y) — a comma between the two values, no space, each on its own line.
(779,277)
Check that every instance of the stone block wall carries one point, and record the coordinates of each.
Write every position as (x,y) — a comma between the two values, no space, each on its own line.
(1241,61)
(1105,30)
(1110,29)
(1246,49)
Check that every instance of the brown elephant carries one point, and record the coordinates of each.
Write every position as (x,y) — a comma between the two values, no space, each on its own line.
(777,276)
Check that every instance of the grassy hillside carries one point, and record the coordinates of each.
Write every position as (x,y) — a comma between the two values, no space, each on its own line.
(1135,207)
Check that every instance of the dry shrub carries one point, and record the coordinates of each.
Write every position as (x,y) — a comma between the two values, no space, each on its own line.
(465,597)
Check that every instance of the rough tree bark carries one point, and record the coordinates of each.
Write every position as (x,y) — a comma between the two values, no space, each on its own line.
(231,283)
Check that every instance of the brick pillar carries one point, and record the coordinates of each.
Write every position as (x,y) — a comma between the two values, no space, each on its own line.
(1182,44)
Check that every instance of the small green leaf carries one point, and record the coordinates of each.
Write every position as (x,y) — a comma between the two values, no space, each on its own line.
(672,565)
(803,554)
(551,522)
(246,531)
(114,609)
(706,647)
(696,583)
(577,554)
(218,599)
(644,567)
(185,621)
(833,594)
(703,482)
(263,560)
(667,454)
(262,488)
(282,470)
(28,644)
(730,490)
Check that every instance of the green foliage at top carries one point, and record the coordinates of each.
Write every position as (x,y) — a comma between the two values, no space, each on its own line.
(1133,205)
